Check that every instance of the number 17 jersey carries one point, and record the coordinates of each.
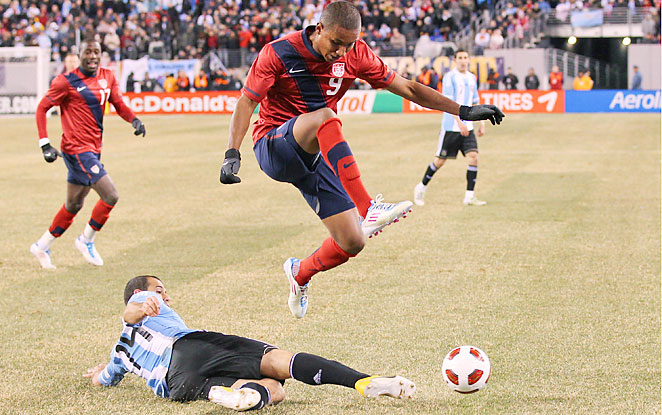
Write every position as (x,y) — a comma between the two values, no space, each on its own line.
(83,101)
(290,78)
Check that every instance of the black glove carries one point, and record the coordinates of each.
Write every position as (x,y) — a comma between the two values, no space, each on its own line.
(481,112)
(139,126)
(230,166)
(50,152)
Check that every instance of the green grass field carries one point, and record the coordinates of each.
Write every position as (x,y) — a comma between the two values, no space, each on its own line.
(557,278)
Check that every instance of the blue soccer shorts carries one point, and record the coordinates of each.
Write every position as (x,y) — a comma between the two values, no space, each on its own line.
(85,169)
(282,159)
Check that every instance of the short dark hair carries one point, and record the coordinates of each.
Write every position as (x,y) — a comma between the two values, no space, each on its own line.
(343,14)
(461,50)
(136,283)
(87,39)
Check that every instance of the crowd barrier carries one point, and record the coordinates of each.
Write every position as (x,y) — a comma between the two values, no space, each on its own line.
(370,101)
(367,102)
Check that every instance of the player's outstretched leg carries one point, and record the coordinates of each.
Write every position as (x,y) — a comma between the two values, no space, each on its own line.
(382,214)
(298,299)
(241,399)
(393,386)
(316,370)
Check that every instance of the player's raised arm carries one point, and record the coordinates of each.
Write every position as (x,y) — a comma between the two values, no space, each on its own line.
(241,119)
(430,98)
(135,312)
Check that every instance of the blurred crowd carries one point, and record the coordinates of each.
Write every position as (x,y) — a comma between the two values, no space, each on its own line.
(235,31)
(183,29)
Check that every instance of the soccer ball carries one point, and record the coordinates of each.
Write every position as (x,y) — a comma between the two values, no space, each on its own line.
(466,369)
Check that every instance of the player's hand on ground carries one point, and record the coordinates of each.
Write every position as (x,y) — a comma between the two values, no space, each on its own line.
(151,307)
(93,373)
(481,112)
(231,166)
(139,127)
(50,153)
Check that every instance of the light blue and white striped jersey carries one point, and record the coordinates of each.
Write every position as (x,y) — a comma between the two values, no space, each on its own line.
(145,348)
(463,89)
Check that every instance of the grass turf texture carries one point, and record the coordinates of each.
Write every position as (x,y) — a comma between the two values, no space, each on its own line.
(557,278)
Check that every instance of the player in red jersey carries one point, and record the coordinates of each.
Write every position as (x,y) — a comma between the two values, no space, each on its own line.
(83,96)
(298,81)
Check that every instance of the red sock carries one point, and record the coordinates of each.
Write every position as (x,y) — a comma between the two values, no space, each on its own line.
(100,215)
(328,256)
(339,157)
(61,222)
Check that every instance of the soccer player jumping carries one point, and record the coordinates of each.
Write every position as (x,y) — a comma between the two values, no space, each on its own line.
(83,96)
(298,81)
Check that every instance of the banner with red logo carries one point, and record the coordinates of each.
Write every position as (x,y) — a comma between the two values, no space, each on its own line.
(511,101)
(201,102)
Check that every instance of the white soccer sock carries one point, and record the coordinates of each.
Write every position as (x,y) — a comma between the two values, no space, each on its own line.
(44,243)
(88,234)
(469,195)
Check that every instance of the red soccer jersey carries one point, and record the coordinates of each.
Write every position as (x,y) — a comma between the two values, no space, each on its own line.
(290,78)
(82,102)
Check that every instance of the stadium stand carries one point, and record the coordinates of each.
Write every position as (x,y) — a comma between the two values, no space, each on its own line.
(234,31)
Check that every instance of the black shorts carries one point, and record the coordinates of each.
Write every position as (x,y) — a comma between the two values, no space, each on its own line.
(452,141)
(203,359)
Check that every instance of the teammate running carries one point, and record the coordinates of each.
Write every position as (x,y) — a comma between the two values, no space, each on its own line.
(235,372)
(83,95)
(298,81)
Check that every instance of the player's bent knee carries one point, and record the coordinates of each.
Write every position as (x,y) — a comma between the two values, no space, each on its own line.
(112,199)
(353,245)
(325,114)
(73,207)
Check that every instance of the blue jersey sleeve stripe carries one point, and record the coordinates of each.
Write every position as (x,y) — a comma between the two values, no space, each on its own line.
(309,88)
(388,75)
(255,94)
(90,99)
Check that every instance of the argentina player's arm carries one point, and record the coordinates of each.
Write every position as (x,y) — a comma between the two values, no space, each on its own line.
(106,374)
(141,305)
